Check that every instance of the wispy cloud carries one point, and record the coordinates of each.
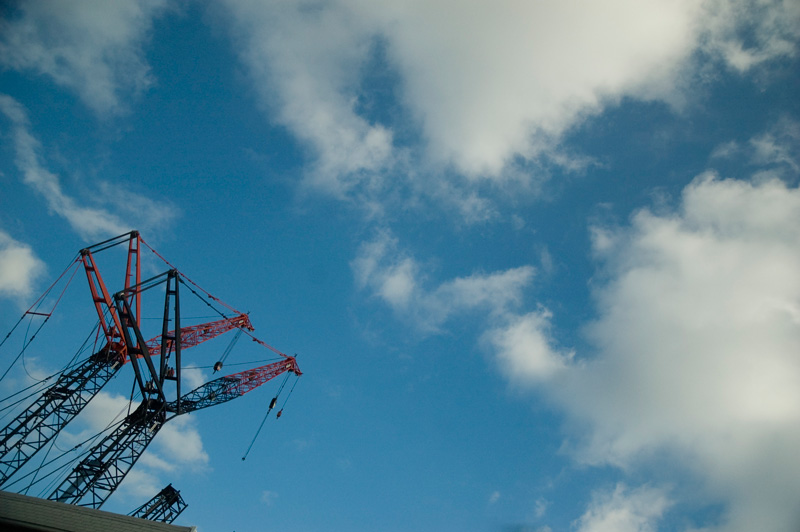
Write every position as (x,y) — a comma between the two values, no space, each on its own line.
(777,148)
(748,33)
(19,267)
(624,510)
(90,222)
(396,278)
(93,48)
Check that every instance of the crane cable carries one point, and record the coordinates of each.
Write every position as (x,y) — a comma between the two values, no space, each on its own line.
(271,406)
(24,347)
(218,365)
(39,301)
(34,311)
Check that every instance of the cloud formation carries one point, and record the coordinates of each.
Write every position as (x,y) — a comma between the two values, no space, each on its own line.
(776,150)
(93,48)
(624,510)
(396,278)
(90,222)
(304,61)
(696,349)
(484,84)
(697,341)
(19,267)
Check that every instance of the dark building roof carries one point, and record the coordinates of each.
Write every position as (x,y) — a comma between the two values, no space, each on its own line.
(21,513)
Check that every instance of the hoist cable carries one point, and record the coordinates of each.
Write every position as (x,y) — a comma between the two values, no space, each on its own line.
(271,406)
(289,394)
(230,345)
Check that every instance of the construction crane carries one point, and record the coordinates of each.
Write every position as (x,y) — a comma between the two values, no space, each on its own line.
(164,507)
(106,464)
(56,406)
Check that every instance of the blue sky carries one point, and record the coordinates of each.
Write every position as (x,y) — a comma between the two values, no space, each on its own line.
(539,261)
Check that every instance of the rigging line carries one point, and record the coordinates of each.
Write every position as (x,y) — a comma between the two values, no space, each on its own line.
(13,328)
(41,299)
(271,405)
(24,366)
(23,351)
(248,333)
(230,345)
(289,394)
(264,344)
(15,403)
(54,471)
(235,363)
(73,362)
(24,347)
(67,366)
(59,372)
(187,278)
(202,299)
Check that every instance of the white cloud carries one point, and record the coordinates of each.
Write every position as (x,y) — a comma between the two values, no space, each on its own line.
(624,510)
(19,267)
(304,60)
(180,442)
(140,485)
(525,349)
(484,84)
(193,378)
(89,222)
(104,410)
(397,279)
(777,148)
(91,47)
(389,274)
(747,33)
(697,337)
